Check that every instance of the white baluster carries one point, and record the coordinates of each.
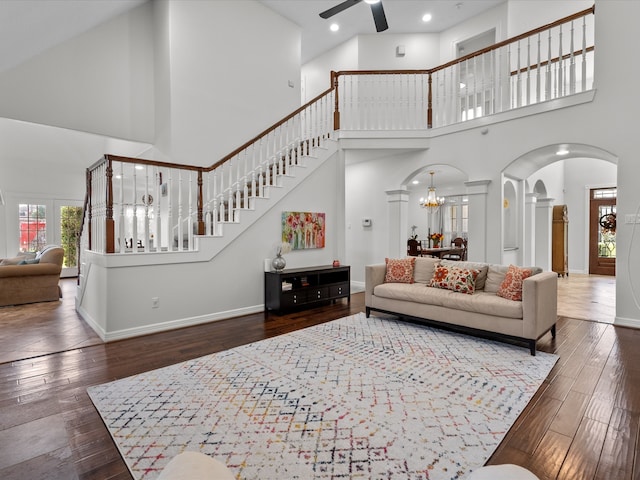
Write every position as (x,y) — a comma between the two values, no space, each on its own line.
(518,81)
(121,226)
(190,193)
(134,237)
(170,224)
(158,210)
(215,219)
(528,93)
(560,91)
(146,208)
(538,92)
(547,82)
(180,212)
(572,64)
(584,53)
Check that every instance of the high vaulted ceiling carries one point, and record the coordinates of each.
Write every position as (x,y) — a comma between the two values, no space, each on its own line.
(29,27)
(403,16)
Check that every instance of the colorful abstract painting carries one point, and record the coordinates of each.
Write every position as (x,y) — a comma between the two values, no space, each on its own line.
(303,229)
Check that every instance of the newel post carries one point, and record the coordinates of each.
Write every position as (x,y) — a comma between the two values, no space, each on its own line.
(201,227)
(88,206)
(109,222)
(429,103)
(336,109)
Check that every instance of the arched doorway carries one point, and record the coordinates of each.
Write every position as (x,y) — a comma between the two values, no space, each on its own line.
(562,174)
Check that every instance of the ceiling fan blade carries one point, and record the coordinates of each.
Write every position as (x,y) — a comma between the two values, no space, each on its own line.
(379,17)
(339,8)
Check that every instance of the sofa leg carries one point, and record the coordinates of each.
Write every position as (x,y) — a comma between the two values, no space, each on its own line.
(553,331)
(532,347)
(367,312)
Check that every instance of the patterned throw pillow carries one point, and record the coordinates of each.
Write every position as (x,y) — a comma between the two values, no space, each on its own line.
(399,270)
(461,280)
(511,286)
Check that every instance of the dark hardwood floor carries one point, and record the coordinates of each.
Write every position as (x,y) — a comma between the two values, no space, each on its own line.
(583,423)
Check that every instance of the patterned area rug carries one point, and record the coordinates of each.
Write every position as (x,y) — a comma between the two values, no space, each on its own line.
(354,398)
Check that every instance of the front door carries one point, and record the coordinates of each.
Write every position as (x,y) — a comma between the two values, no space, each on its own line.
(602,231)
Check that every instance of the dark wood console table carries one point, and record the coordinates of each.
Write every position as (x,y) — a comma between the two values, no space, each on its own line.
(295,288)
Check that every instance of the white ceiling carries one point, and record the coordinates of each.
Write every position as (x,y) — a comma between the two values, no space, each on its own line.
(29,27)
(403,16)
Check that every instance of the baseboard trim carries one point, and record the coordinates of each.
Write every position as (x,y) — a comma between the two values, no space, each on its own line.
(626,322)
(107,336)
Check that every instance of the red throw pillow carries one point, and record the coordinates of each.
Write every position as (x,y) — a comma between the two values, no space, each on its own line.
(511,286)
(399,270)
(461,280)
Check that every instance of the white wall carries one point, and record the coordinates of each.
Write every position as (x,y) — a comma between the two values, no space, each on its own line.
(100,81)
(495,18)
(378,52)
(525,15)
(315,75)
(230,63)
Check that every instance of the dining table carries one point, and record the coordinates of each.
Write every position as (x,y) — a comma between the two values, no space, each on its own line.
(439,251)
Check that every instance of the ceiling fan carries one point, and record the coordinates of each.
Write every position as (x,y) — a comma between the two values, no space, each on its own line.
(376,9)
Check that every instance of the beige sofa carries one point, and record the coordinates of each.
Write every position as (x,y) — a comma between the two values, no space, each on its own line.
(482,313)
(31,278)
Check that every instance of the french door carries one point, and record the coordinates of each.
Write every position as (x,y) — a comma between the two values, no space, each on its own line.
(68,218)
(602,231)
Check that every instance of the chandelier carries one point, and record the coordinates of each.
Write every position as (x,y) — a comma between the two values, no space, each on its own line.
(432,202)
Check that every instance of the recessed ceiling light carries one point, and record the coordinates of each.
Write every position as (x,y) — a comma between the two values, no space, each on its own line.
(334,27)
(371,2)
(415,182)
(426,17)
(562,151)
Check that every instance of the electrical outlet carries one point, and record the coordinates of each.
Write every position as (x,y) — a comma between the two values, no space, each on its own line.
(155,302)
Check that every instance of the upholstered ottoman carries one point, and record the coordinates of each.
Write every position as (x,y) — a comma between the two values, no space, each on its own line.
(195,466)
(502,472)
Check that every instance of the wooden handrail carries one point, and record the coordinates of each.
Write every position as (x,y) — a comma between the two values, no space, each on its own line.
(553,60)
(268,130)
(506,42)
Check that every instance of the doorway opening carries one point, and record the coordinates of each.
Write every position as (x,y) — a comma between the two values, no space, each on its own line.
(602,231)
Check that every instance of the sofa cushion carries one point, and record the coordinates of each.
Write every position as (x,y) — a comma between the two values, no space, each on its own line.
(29,261)
(416,292)
(424,268)
(461,280)
(482,267)
(479,302)
(496,274)
(399,270)
(511,286)
(11,261)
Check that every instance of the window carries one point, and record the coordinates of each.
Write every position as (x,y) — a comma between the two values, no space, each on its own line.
(457,217)
(32,227)
(70,222)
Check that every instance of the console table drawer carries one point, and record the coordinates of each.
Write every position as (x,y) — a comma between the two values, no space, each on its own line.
(339,290)
(292,299)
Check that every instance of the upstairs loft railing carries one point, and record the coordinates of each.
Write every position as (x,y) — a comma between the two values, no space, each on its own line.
(549,62)
(135,205)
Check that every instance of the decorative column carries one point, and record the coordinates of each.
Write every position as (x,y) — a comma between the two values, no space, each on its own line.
(543,222)
(476,192)
(397,220)
(529,244)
